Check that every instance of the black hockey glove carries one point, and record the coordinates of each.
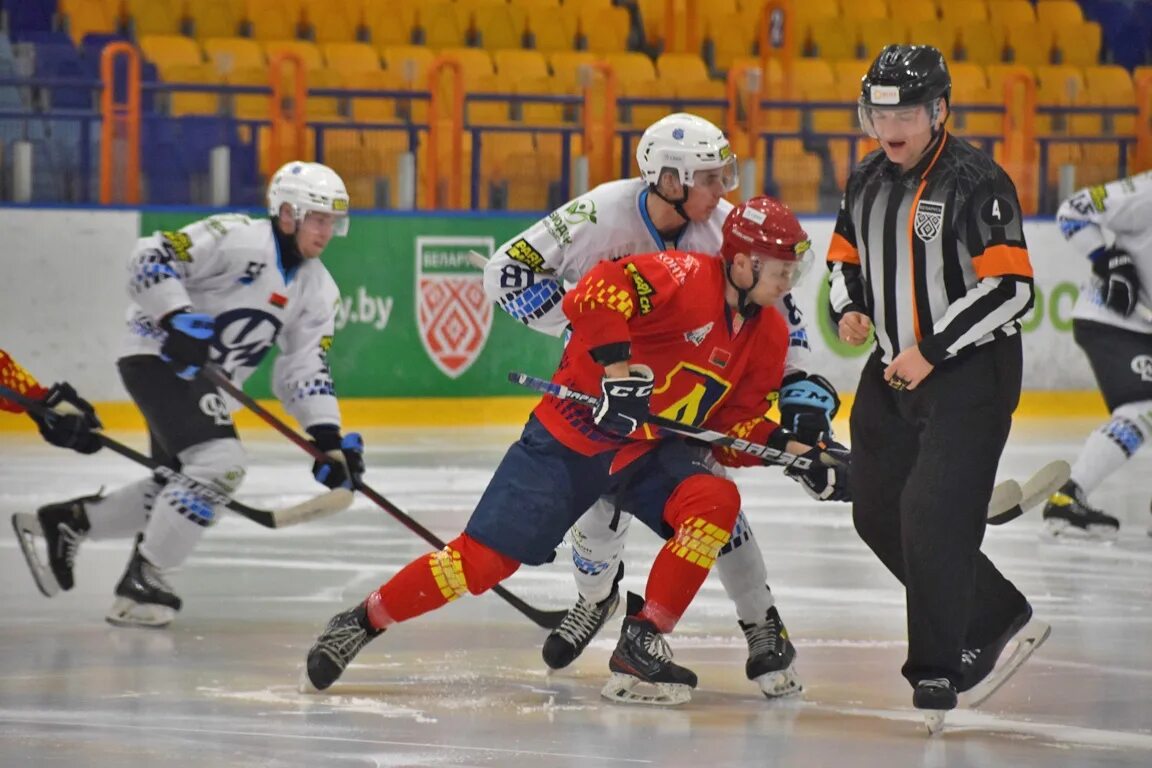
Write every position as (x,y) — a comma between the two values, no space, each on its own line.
(188,342)
(623,405)
(345,468)
(808,403)
(821,481)
(70,422)
(1121,283)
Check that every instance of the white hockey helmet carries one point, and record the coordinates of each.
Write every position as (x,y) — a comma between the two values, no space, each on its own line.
(686,143)
(309,187)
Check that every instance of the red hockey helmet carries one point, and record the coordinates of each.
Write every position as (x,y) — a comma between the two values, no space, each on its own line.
(765,227)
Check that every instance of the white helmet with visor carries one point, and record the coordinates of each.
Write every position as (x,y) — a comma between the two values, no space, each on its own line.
(309,187)
(693,147)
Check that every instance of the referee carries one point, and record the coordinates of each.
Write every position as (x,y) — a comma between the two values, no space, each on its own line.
(929,253)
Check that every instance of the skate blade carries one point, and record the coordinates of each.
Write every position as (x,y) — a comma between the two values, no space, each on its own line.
(1027,640)
(304,684)
(129,613)
(626,689)
(934,720)
(777,685)
(27,527)
(1059,529)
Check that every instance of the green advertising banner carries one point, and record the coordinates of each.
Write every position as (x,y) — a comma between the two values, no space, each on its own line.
(414,320)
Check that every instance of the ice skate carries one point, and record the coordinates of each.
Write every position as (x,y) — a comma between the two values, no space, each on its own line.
(64,526)
(1067,515)
(143,597)
(583,621)
(934,697)
(771,657)
(642,668)
(1027,639)
(337,645)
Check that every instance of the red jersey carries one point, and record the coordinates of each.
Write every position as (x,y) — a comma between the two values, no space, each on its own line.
(712,368)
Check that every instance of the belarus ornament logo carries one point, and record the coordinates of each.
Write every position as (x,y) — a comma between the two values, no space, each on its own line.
(452,312)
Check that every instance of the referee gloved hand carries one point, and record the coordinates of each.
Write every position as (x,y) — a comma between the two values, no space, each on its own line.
(1121,282)
(825,482)
(345,465)
(623,404)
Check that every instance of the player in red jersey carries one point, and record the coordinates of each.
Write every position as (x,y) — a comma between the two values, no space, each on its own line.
(684,335)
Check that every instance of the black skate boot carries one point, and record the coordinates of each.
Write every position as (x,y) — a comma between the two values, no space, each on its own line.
(982,677)
(583,621)
(934,696)
(642,657)
(64,526)
(337,645)
(1068,515)
(771,657)
(143,597)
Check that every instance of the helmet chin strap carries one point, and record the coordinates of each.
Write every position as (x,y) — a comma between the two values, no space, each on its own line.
(746,308)
(677,205)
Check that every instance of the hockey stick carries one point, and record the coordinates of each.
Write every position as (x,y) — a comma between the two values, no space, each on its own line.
(770,455)
(545,619)
(320,506)
(1009,500)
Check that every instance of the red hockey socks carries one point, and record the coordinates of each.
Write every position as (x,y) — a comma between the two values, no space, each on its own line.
(701,512)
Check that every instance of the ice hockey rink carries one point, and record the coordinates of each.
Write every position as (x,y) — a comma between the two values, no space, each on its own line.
(466,686)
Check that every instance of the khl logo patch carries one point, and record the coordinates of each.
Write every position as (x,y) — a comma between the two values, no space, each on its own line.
(929,220)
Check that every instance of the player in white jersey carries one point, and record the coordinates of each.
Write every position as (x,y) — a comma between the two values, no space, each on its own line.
(221,290)
(686,167)
(1111,227)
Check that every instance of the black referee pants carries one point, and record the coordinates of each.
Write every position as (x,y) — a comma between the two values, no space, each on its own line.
(923,466)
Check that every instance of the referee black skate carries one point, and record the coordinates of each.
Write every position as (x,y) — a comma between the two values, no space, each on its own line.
(929,255)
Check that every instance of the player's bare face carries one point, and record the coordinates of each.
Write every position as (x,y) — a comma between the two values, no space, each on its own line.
(776,279)
(316,229)
(708,187)
(904,134)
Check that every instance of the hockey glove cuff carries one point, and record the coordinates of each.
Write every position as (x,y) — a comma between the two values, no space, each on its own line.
(808,403)
(623,405)
(345,466)
(71,422)
(825,482)
(188,342)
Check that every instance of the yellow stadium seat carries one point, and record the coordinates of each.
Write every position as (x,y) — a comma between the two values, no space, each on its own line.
(912,13)
(549,31)
(731,37)
(520,63)
(411,62)
(566,68)
(964,11)
(1011,13)
(325,108)
(336,23)
(356,165)
(1076,44)
(1030,45)
(475,62)
(848,73)
(702,89)
(866,9)
(643,115)
(554,5)
(443,25)
(390,23)
(191,102)
(216,18)
(1112,86)
(167,51)
(940,34)
(572,10)
(351,57)
(80,18)
(539,113)
(308,52)
(970,89)
(376,109)
(154,17)
(631,66)
(605,29)
(489,112)
(249,105)
(1062,85)
(833,41)
(500,26)
(797,175)
(683,67)
(231,53)
(274,19)
(873,34)
(1059,13)
(980,43)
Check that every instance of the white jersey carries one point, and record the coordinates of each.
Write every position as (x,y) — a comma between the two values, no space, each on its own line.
(229,267)
(527,276)
(1117,213)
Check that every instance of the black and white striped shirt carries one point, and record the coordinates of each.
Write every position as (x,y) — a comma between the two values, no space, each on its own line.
(935,256)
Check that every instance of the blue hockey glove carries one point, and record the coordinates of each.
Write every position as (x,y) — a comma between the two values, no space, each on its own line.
(188,342)
(345,468)
(822,481)
(624,402)
(808,403)
(1121,282)
(71,421)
